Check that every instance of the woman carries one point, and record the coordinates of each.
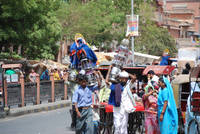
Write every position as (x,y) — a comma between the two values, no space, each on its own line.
(150,103)
(167,112)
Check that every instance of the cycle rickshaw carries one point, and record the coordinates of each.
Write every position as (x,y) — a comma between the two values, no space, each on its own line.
(193,126)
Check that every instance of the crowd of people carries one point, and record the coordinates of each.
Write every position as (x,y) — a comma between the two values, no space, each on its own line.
(156,96)
(158,100)
(58,74)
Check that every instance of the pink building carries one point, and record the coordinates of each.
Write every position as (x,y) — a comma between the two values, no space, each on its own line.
(180,17)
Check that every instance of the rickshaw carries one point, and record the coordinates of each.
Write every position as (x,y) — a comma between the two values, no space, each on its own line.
(187,100)
(181,89)
(194,102)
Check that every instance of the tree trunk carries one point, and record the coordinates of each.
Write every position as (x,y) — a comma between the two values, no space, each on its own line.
(19,51)
(11,48)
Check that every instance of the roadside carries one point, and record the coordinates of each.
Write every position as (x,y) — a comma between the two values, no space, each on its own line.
(46,122)
(36,108)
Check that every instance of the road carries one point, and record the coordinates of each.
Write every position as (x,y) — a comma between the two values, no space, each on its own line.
(48,122)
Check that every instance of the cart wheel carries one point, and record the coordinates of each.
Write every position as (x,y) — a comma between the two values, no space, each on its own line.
(196,125)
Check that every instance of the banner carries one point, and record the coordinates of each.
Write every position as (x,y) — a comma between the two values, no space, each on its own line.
(132,25)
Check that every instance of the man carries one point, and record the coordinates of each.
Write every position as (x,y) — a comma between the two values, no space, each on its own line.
(152,79)
(122,100)
(82,99)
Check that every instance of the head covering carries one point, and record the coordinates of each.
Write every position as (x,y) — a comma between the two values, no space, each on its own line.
(171,103)
(123,74)
(82,72)
(147,87)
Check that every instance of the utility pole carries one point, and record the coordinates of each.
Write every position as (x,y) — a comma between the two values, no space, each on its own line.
(132,37)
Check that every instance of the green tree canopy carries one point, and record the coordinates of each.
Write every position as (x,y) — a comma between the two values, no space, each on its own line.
(32,24)
(105,20)
(97,20)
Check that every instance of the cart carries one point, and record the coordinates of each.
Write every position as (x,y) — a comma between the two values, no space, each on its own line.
(194,100)
(181,90)
(135,122)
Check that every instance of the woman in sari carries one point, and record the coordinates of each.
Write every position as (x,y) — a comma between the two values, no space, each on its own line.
(150,103)
(167,112)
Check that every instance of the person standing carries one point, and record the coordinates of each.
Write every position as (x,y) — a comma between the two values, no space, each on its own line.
(167,112)
(32,76)
(122,100)
(165,58)
(45,75)
(152,77)
(56,75)
(150,103)
(82,100)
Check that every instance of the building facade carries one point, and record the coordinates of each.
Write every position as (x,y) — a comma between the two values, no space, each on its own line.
(181,18)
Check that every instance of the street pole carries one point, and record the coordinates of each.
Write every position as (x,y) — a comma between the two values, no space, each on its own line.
(132,37)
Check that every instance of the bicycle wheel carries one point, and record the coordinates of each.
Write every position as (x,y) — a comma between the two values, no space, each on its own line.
(197,127)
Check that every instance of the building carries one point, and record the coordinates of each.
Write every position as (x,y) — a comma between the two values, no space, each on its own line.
(181,18)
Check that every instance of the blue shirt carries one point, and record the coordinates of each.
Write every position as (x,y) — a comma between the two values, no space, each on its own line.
(111,100)
(83,97)
(165,60)
(93,88)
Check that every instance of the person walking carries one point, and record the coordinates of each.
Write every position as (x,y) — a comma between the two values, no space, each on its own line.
(167,112)
(122,100)
(82,100)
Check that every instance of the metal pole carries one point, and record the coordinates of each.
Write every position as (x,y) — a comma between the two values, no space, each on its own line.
(132,37)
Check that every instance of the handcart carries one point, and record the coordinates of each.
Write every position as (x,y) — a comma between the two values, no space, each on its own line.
(135,122)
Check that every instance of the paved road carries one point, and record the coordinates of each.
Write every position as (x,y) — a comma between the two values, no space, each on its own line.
(48,122)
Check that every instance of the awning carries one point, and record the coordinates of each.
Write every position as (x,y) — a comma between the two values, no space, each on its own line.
(11,65)
(159,69)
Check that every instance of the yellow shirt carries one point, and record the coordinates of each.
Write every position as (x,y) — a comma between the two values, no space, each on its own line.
(56,76)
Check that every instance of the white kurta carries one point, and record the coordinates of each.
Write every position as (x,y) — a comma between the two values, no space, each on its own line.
(121,113)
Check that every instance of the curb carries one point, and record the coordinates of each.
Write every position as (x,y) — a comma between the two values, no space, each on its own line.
(38,108)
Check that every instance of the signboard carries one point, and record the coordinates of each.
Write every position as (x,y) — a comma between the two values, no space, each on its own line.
(132,25)
(8,78)
(14,78)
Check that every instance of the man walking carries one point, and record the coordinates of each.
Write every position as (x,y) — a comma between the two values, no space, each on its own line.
(82,100)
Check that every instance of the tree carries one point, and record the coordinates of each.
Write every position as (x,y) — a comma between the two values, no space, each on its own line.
(153,39)
(102,21)
(97,20)
(31,24)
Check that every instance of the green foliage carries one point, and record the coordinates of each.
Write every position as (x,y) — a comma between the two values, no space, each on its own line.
(153,39)
(105,20)
(38,24)
(97,20)
(30,23)
(5,55)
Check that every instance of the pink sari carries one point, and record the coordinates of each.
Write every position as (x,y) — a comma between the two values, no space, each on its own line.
(151,121)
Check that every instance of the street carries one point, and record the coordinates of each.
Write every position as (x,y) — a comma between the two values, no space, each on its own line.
(48,122)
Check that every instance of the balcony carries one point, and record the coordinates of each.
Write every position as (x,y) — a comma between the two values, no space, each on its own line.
(179,11)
